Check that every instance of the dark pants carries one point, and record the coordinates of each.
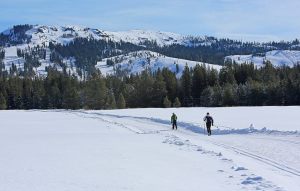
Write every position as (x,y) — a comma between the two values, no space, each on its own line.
(174,125)
(208,126)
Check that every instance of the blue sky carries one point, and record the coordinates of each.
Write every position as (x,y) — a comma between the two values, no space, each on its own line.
(260,20)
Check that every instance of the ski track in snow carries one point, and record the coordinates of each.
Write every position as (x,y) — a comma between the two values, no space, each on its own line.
(198,128)
(248,179)
(261,159)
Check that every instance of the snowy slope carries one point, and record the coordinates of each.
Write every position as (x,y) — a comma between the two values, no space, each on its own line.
(11,58)
(136,62)
(276,57)
(140,36)
(136,150)
(43,34)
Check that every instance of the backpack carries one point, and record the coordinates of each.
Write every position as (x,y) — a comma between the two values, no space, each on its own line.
(174,118)
(209,119)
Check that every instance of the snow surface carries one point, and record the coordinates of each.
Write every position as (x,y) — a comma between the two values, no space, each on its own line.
(276,57)
(136,62)
(135,149)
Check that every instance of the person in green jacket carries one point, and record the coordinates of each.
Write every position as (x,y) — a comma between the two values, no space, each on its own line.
(174,121)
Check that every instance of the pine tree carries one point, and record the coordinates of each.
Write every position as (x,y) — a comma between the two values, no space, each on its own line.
(217,98)
(198,81)
(171,83)
(95,93)
(2,102)
(207,97)
(158,91)
(70,95)
(167,103)
(226,75)
(212,77)
(121,104)
(228,95)
(38,97)
(27,94)
(186,83)
(242,95)
(54,96)
(176,102)
(143,85)
(110,101)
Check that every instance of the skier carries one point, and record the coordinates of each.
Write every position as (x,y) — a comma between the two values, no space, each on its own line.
(209,122)
(174,121)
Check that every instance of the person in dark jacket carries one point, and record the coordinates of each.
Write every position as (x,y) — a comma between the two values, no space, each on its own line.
(174,121)
(209,122)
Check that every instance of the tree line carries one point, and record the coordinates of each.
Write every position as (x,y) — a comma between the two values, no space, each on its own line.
(233,85)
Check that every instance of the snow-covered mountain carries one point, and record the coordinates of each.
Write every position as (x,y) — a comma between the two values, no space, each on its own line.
(27,37)
(276,57)
(43,34)
(136,62)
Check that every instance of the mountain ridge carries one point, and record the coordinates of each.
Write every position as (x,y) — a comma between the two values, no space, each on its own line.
(135,36)
(78,49)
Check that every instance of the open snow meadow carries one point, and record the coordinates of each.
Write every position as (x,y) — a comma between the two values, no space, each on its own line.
(252,148)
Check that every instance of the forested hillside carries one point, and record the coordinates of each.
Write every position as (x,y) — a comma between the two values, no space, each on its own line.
(56,67)
(233,85)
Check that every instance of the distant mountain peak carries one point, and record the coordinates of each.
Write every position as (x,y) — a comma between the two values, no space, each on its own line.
(43,34)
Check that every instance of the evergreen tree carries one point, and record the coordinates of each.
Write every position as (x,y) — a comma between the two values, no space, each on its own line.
(143,89)
(27,93)
(207,97)
(54,96)
(111,101)
(71,98)
(121,104)
(226,75)
(217,99)
(171,83)
(199,81)
(159,91)
(2,102)
(186,84)
(212,77)
(39,98)
(228,95)
(176,102)
(167,103)
(95,93)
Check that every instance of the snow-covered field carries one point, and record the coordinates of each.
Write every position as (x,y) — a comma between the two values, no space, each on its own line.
(253,148)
